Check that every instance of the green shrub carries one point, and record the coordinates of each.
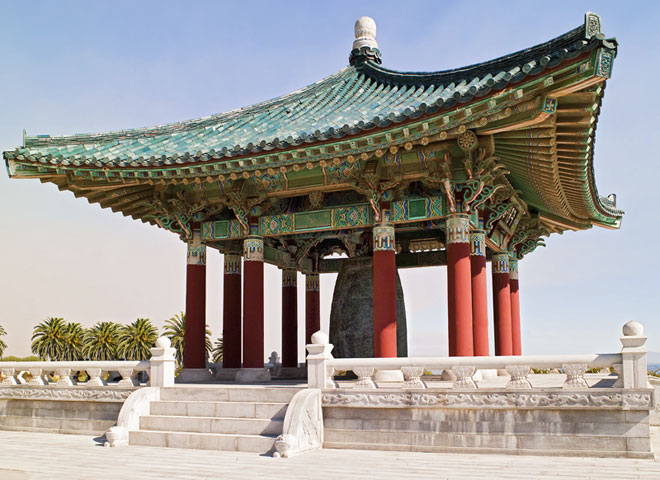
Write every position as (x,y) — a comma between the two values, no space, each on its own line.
(12,358)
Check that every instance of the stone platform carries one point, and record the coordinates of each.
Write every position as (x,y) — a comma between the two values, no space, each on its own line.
(73,457)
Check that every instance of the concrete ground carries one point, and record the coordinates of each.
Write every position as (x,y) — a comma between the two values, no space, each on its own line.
(52,456)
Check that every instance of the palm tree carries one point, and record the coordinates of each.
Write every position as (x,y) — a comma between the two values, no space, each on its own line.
(73,342)
(218,350)
(101,341)
(49,339)
(3,345)
(136,339)
(175,328)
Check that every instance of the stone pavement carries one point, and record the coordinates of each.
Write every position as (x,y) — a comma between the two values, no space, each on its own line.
(52,456)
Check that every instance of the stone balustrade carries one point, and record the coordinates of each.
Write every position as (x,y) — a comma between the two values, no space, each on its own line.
(630,365)
(69,373)
(158,371)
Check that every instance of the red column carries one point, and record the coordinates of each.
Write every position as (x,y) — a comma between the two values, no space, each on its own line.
(502,304)
(194,341)
(479,292)
(289,317)
(231,317)
(312,306)
(516,344)
(253,302)
(459,285)
(384,292)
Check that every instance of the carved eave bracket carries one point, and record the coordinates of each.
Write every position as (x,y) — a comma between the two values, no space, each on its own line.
(374,189)
(178,212)
(241,205)
(528,236)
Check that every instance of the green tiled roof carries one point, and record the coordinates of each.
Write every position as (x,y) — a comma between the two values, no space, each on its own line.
(539,107)
(360,97)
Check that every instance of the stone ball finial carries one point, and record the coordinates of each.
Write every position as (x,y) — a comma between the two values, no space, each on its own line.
(365,33)
(320,338)
(163,342)
(633,329)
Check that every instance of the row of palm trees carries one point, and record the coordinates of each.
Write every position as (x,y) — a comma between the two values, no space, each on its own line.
(55,339)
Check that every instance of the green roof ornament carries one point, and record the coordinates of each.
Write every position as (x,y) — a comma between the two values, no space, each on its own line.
(365,46)
(592,25)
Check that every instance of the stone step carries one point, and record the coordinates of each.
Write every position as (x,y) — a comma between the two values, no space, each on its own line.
(204,441)
(240,426)
(229,394)
(220,409)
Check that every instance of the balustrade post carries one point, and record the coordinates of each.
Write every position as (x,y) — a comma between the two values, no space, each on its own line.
(127,377)
(519,374)
(162,362)
(412,376)
(464,376)
(95,379)
(65,377)
(575,375)
(365,377)
(317,358)
(633,356)
(9,375)
(37,376)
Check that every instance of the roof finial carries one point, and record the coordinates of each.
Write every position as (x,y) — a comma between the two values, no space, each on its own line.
(365,33)
(591,25)
(365,46)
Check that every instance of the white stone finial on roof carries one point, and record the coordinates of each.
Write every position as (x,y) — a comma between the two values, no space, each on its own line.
(365,33)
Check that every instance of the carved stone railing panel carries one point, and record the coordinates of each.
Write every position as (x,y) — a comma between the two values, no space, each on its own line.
(412,375)
(365,377)
(575,375)
(519,374)
(464,376)
(594,399)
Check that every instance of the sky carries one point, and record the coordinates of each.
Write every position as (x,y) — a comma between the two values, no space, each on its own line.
(71,67)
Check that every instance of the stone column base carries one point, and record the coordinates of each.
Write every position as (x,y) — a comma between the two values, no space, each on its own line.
(226,373)
(388,376)
(194,375)
(293,372)
(247,375)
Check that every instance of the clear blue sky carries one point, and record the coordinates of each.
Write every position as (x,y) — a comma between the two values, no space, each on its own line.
(70,67)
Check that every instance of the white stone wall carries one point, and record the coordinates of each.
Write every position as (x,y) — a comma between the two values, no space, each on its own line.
(58,416)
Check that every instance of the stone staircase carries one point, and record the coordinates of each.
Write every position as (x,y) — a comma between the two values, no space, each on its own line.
(245,419)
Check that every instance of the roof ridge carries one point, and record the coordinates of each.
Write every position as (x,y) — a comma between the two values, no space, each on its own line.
(568,38)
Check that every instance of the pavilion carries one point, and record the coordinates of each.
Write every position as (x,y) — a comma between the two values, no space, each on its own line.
(447,168)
